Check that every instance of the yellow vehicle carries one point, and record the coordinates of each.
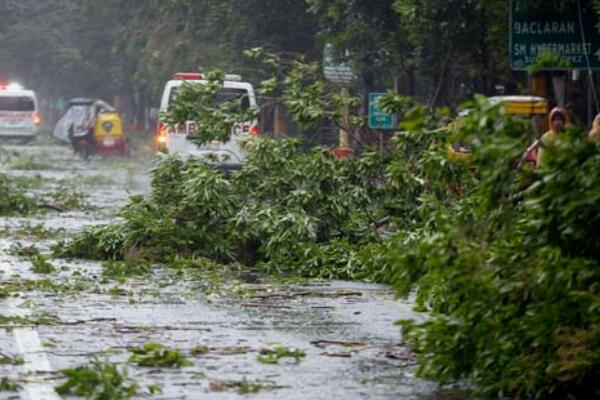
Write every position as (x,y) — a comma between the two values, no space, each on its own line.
(108,134)
(530,107)
(92,127)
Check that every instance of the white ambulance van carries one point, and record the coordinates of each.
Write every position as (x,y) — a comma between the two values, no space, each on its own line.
(19,113)
(226,155)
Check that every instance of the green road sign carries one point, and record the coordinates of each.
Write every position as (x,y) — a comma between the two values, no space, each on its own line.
(378,119)
(554,34)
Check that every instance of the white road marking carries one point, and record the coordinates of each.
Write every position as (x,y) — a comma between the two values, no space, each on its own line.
(29,346)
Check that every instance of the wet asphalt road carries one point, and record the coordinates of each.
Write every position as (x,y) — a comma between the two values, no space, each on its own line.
(353,350)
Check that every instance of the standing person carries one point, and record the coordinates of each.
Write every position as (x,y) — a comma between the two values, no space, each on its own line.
(558,121)
(594,134)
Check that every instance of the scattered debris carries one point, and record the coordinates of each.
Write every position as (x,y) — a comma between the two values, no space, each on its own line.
(25,163)
(272,356)
(23,251)
(7,360)
(9,322)
(310,293)
(121,270)
(401,354)
(66,196)
(7,385)
(31,230)
(243,387)
(99,380)
(339,354)
(199,350)
(87,321)
(41,265)
(155,389)
(345,343)
(256,305)
(230,350)
(156,355)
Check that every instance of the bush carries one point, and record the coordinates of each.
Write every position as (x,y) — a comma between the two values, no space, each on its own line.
(512,286)
(94,243)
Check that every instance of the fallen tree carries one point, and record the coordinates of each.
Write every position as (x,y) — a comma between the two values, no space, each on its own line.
(505,260)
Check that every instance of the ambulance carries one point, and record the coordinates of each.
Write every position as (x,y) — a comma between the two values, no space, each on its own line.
(225,155)
(19,113)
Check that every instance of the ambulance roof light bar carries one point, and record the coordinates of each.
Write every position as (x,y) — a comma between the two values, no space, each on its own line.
(196,76)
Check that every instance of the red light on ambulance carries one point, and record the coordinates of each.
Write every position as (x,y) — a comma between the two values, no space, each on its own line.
(188,76)
(161,136)
(37,119)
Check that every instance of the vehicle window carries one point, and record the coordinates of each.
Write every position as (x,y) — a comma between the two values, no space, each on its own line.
(233,95)
(16,103)
(226,94)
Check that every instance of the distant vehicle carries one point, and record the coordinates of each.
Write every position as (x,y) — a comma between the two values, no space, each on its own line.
(228,155)
(532,108)
(92,127)
(19,113)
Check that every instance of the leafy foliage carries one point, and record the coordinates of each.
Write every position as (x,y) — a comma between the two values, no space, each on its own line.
(199,350)
(94,243)
(23,251)
(512,285)
(41,265)
(68,197)
(285,211)
(7,360)
(99,380)
(505,260)
(7,385)
(268,356)
(13,198)
(120,270)
(441,52)
(157,355)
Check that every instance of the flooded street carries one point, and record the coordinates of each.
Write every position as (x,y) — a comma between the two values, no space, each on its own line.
(223,322)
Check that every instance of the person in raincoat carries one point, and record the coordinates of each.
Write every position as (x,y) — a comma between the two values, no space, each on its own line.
(558,121)
(594,134)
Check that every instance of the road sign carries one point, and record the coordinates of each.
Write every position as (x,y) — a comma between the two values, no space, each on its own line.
(378,119)
(566,31)
(339,73)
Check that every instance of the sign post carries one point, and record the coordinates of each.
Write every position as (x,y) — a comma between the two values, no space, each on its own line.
(343,75)
(379,119)
(554,35)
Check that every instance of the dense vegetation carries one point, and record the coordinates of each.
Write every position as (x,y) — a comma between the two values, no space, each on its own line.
(128,49)
(505,259)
